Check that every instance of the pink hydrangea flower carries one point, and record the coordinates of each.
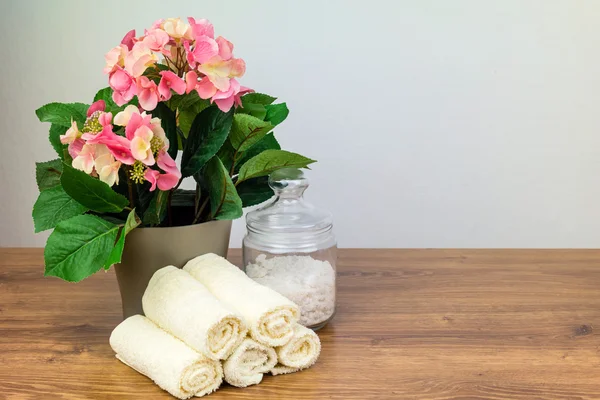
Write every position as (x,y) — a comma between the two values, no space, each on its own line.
(170,81)
(138,59)
(208,63)
(71,134)
(114,57)
(204,49)
(225,99)
(156,40)
(163,181)
(176,28)
(202,27)
(147,93)
(117,145)
(122,118)
(139,132)
(84,160)
(123,86)
(219,72)
(106,166)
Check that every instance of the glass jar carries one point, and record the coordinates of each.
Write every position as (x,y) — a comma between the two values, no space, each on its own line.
(290,247)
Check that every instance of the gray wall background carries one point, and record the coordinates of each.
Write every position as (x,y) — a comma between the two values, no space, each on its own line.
(463,123)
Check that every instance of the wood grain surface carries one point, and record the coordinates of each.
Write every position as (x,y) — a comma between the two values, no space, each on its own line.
(411,324)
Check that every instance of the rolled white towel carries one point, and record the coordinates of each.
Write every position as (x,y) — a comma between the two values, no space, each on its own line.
(281,369)
(172,365)
(299,353)
(269,315)
(182,306)
(248,363)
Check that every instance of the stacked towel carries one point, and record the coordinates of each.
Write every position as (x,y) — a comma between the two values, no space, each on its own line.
(171,364)
(182,306)
(248,363)
(299,353)
(268,315)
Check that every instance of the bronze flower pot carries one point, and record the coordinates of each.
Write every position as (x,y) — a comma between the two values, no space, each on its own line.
(149,249)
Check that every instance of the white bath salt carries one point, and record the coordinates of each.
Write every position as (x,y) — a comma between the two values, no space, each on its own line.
(307,282)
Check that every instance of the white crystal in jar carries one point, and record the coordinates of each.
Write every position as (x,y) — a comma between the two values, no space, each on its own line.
(307,282)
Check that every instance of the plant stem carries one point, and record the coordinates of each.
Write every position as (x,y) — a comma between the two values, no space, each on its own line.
(232,170)
(130,190)
(197,217)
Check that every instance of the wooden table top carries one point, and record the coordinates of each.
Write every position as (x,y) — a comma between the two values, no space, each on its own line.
(411,324)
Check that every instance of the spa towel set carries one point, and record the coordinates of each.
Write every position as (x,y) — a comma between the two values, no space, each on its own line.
(208,322)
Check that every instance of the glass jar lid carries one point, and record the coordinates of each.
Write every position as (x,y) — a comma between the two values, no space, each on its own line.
(289,212)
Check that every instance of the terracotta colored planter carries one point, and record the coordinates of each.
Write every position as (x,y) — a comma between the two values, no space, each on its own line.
(149,249)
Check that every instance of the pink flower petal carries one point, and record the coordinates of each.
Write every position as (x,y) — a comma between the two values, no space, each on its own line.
(170,81)
(76,147)
(148,100)
(147,93)
(205,49)
(120,80)
(206,89)
(135,122)
(128,39)
(225,48)
(151,176)
(225,104)
(191,80)
(167,181)
(188,54)
(238,67)
(100,105)
(105,118)
(202,28)
(167,164)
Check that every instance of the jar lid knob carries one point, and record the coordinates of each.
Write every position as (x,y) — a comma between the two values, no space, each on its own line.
(288,182)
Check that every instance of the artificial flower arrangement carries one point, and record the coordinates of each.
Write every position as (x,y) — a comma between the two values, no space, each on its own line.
(173,90)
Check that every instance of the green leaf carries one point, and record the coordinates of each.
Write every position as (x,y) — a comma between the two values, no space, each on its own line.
(269,161)
(186,117)
(276,113)
(207,134)
(91,192)
(257,98)
(47,174)
(256,110)
(169,125)
(254,191)
(117,252)
(184,101)
(225,154)
(267,143)
(53,206)
(61,113)
(79,247)
(224,200)
(54,137)
(156,210)
(247,131)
